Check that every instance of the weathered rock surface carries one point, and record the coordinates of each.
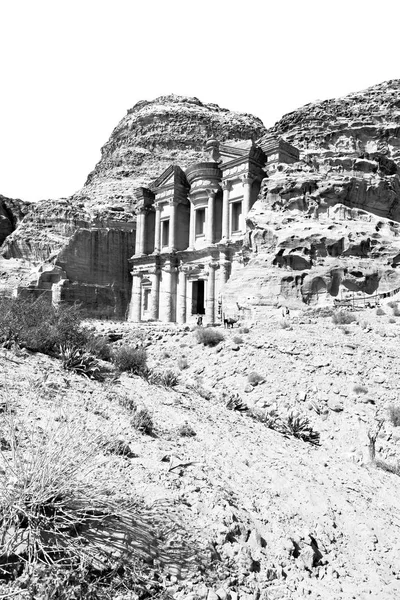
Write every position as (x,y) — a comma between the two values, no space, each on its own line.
(327,226)
(91,235)
(11,213)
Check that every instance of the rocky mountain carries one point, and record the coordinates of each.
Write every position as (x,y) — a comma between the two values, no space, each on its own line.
(90,236)
(328,225)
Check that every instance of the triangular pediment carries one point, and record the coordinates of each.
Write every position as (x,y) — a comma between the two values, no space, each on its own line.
(171,177)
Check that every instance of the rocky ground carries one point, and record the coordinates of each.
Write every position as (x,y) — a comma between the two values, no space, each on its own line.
(256,514)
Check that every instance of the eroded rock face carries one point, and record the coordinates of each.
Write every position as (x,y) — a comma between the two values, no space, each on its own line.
(91,235)
(328,226)
(11,213)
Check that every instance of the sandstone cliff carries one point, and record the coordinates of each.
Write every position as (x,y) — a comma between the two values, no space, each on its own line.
(327,226)
(91,235)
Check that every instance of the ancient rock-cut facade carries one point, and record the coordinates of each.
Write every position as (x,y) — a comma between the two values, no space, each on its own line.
(190,227)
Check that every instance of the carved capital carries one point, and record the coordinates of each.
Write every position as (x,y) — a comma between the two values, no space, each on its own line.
(211,193)
(227,185)
(247,179)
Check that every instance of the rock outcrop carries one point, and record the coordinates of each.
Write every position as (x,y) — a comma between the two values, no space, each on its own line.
(327,227)
(91,235)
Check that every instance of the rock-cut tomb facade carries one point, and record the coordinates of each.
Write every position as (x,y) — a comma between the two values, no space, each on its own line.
(190,228)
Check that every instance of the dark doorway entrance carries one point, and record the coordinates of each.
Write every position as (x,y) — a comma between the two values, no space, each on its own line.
(198,297)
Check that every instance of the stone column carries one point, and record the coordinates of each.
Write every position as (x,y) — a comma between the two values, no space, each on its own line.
(210,217)
(135,306)
(157,231)
(168,298)
(181,299)
(142,236)
(226,186)
(210,306)
(172,226)
(138,231)
(155,294)
(246,181)
(225,269)
(192,225)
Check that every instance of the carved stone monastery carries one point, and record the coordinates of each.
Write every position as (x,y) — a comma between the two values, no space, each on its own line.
(190,228)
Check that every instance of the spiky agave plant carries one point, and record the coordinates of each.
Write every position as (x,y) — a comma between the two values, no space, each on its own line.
(81,362)
(300,427)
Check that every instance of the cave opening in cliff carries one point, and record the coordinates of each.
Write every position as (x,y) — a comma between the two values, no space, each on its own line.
(198,297)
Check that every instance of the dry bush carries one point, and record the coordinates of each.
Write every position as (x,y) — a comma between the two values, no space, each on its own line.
(391,320)
(285,324)
(143,421)
(99,346)
(394,415)
(343,317)
(133,360)
(380,312)
(299,427)
(186,430)
(83,363)
(39,326)
(208,336)
(167,378)
(244,330)
(237,339)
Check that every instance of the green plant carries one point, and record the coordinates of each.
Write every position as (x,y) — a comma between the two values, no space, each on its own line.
(394,415)
(143,421)
(269,418)
(380,312)
(134,360)
(235,402)
(300,428)
(254,378)
(99,346)
(186,430)
(81,362)
(208,336)
(343,317)
(167,378)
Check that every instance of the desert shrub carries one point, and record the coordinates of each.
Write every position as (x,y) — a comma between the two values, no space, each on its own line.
(237,339)
(128,403)
(208,336)
(269,418)
(392,304)
(182,363)
(186,430)
(380,312)
(344,330)
(143,421)
(255,378)
(343,317)
(388,467)
(133,360)
(360,389)
(300,428)
(99,346)
(285,324)
(39,326)
(167,378)
(234,402)
(75,359)
(391,320)
(394,415)
(47,498)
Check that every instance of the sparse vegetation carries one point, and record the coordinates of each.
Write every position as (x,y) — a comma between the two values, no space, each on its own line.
(394,415)
(391,320)
(83,363)
(237,339)
(395,308)
(343,317)
(285,324)
(300,428)
(186,430)
(235,402)
(208,336)
(244,330)
(143,421)
(388,467)
(380,312)
(133,360)
(167,378)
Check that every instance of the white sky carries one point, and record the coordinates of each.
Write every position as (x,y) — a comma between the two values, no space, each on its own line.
(70,69)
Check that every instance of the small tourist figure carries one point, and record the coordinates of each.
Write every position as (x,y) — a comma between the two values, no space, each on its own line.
(199,321)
